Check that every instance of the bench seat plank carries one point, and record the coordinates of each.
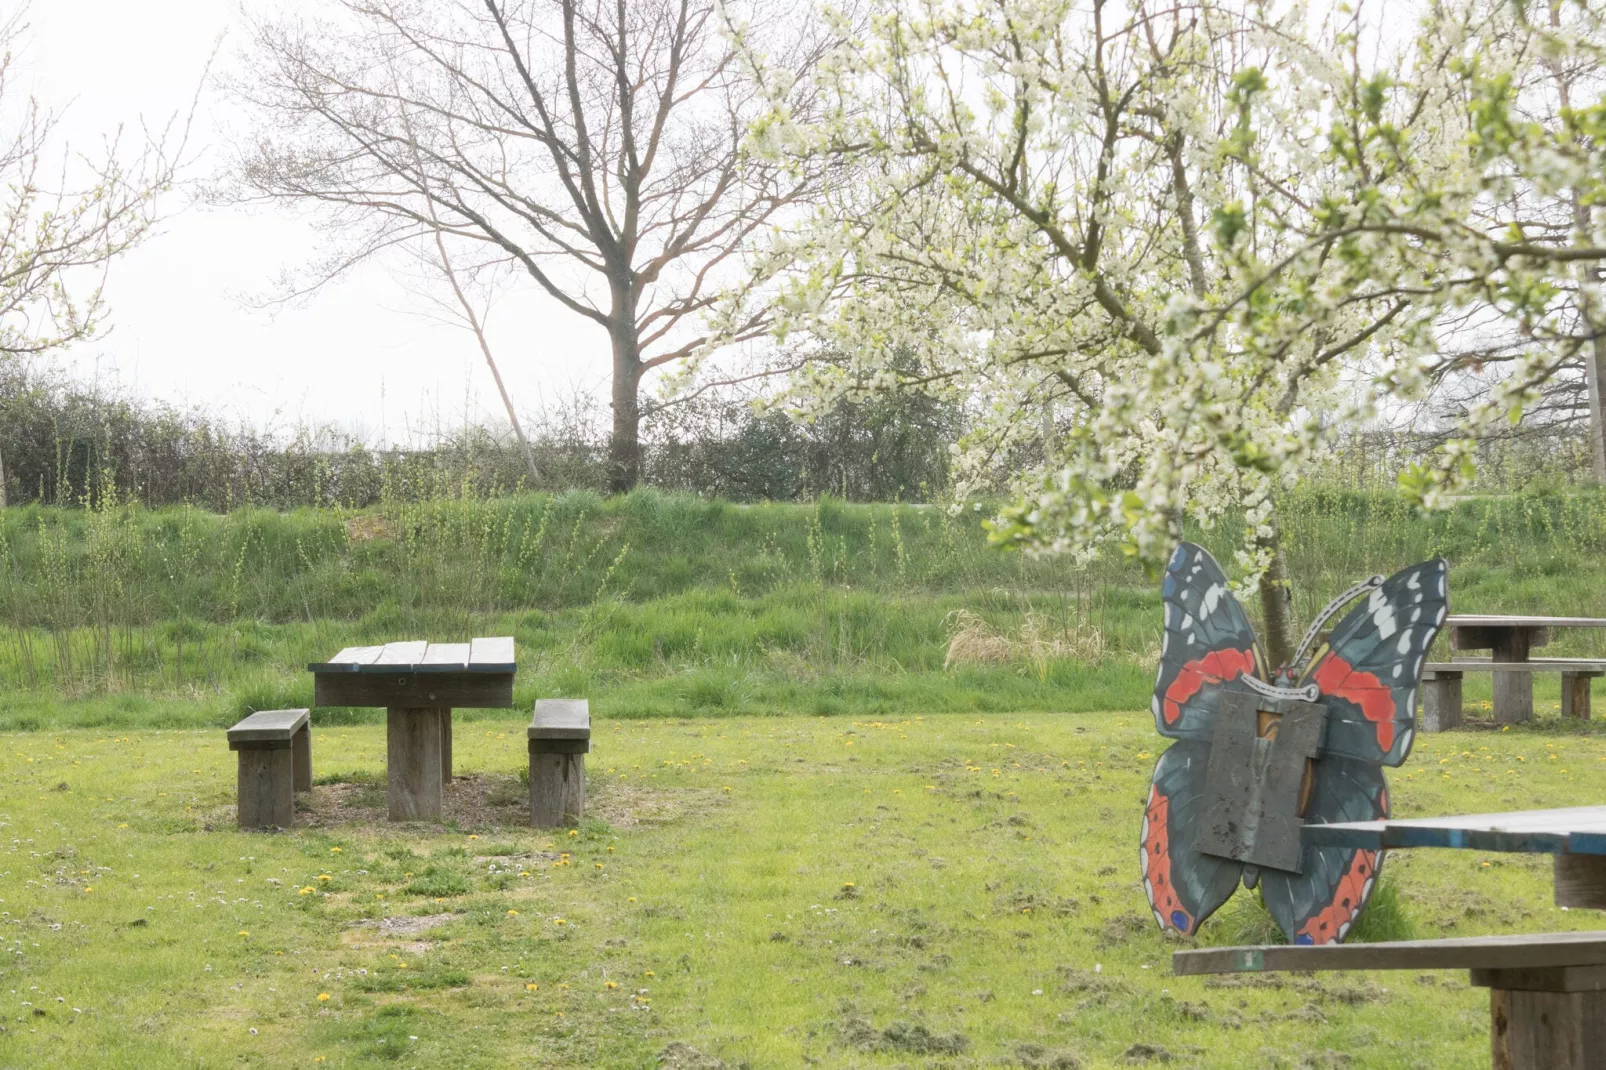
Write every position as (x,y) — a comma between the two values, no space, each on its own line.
(1521,951)
(561,718)
(1570,665)
(268,726)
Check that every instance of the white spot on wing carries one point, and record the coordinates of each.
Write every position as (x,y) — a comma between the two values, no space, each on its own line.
(1404,645)
(1212,598)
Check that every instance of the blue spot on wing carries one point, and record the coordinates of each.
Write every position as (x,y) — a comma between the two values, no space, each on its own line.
(1180,920)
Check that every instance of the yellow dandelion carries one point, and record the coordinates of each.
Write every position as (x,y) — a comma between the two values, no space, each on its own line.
(242,932)
(88,890)
(512,913)
(123,826)
(648,973)
(334,850)
(574,832)
(610,984)
(325,876)
(597,864)
(305,891)
(631,899)
(559,921)
(532,987)
(323,997)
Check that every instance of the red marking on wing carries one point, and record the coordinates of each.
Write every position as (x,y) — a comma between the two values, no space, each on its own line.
(1157,848)
(1347,900)
(1216,667)
(1336,677)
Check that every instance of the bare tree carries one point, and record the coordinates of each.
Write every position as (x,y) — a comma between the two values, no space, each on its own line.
(595,145)
(64,217)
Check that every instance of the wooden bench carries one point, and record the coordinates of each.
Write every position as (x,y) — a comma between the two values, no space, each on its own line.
(560,736)
(275,748)
(1547,993)
(1441,686)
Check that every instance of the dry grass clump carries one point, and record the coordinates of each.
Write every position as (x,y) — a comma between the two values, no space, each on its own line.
(1037,640)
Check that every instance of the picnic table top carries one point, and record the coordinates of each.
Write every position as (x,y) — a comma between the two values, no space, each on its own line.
(1570,830)
(1482,620)
(494,655)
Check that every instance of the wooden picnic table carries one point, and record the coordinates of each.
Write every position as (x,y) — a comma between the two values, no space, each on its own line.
(419,684)
(1510,639)
(1575,836)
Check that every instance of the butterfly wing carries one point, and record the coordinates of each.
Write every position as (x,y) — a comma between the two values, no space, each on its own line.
(1320,903)
(1369,671)
(1184,885)
(1208,644)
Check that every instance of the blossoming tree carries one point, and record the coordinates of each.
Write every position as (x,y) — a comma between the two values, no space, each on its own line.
(1172,250)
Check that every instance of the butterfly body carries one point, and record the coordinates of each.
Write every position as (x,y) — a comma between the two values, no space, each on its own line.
(1229,796)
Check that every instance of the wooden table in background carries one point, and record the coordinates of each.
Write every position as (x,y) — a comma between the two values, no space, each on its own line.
(1510,639)
(419,684)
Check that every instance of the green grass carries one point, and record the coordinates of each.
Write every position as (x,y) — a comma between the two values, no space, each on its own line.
(669,606)
(938,890)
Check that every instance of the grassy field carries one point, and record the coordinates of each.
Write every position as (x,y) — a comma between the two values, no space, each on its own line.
(781,891)
(667,606)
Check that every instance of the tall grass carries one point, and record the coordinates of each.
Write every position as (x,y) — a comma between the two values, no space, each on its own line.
(672,604)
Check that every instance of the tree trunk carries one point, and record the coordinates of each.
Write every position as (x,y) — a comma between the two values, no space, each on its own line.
(624,447)
(2,481)
(1277,602)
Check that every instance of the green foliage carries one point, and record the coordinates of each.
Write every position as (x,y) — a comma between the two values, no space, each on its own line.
(666,605)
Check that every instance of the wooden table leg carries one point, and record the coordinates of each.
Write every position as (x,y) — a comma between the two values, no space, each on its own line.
(1546,1018)
(301,751)
(1513,691)
(446,746)
(413,763)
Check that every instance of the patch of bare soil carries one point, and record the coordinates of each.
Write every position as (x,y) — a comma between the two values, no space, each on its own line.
(474,800)
(393,932)
(627,805)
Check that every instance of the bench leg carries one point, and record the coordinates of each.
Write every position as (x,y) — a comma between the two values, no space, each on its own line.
(301,751)
(413,763)
(1575,695)
(1547,1030)
(266,787)
(557,789)
(1441,702)
(446,746)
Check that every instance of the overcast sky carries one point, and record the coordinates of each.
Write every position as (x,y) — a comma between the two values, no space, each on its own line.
(365,353)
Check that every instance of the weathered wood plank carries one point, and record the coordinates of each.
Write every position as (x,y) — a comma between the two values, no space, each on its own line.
(301,757)
(1578,829)
(445,657)
(1441,700)
(465,690)
(1547,1030)
(1542,978)
(404,655)
(267,726)
(495,654)
(1532,665)
(1251,796)
(348,660)
(561,718)
(1497,620)
(1575,693)
(1482,952)
(446,746)
(557,788)
(266,788)
(1581,881)
(413,763)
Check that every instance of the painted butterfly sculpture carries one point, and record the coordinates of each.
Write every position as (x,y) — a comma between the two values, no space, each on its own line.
(1364,677)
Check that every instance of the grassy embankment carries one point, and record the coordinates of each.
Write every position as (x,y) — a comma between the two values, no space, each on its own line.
(938,891)
(656,605)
